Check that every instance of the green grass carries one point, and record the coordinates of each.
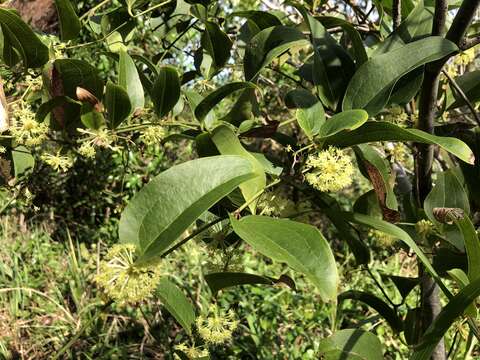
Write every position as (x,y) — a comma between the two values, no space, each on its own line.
(50,305)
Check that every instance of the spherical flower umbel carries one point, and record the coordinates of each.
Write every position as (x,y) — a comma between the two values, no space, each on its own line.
(58,162)
(329,170)
(217,326)
(122,280)
(192,352)
(153,135)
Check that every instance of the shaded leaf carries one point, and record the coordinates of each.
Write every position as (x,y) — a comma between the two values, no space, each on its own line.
(380,306)
(166,90)
(70,25)
(19,36)
(117,104)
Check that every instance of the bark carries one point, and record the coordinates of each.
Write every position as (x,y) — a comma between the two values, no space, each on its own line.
(40,14)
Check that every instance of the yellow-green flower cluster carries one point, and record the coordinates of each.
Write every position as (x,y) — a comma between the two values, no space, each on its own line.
(273,204)
(465,57)
(87,150)
(34,83)
(122,280)
(424,228)
(153,135)
(217,326)
(329,170)
(57,162)
(192,352)
(381,237)
(398,151)
(397,115)
(25,129)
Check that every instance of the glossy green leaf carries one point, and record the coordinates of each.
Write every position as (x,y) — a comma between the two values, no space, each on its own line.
(128,79)
(360,55)
(372,84)
(23,161)
(299,245)
(450,313)
(215,97)
(373,131)
(176,303)
(346,120)
(262,19)
(267,45)
(166,90)
(397,233)
(217,44)
(310,113)
(332,65)
(472,247)
(117,104)
(169,204)
(462,280)
(70,25)
(20,36)
(380,306)
(91,118)
(351,344)
(228,143)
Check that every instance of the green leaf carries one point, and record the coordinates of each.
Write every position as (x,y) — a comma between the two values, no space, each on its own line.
(332,65)
(299,245)
(166,90)
(212,99)
(450,313)
(167,206)
(462,280)
(360,54)
(227,143)
(380,306)
(373,131)
(117,104)
(372,84)
(91,118)
(472,247)
(128,79)
(218,45)
(73,73)
(469,82)
(70,25)
(20,36)
(222,280)
(448,192)
(23,161)
(267,45)
(351,344)
(397,233)
(262,19)
(346,120)
(310,114)
(176,303)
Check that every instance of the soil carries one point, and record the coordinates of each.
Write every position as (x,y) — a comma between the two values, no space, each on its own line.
(40,14)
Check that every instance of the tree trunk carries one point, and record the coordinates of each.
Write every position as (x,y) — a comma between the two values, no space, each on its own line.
(40,14)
